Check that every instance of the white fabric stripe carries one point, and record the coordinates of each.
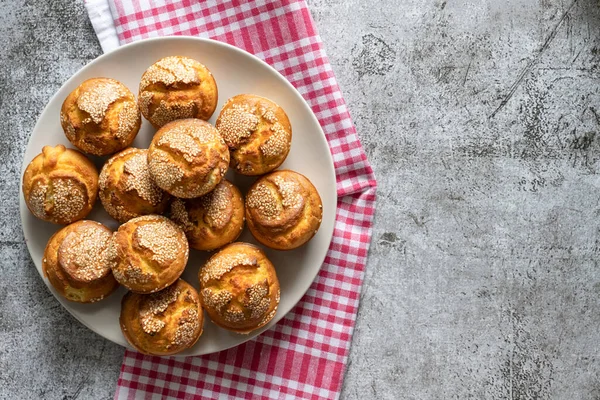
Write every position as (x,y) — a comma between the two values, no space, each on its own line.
(102,21)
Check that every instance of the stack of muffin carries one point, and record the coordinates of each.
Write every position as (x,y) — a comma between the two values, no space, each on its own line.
(168,198)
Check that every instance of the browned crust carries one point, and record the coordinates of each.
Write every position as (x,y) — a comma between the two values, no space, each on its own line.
(148,259)
(44,183)
(257,131)
(176,315)
(177,87)
(188,158)
(100,116)
(213,220)
(239,288)
(128,192)
(62,279)
(277,224)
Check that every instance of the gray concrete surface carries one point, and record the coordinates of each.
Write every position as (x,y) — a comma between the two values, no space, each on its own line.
(481,120)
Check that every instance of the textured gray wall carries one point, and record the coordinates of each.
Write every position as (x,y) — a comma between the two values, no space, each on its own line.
(480,119)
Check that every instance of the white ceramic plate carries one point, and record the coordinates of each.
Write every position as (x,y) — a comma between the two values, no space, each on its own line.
(235,71)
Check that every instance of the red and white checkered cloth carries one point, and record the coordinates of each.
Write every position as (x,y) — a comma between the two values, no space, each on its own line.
(305,354)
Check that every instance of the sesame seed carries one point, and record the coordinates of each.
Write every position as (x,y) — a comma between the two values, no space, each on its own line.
(96,99)
(162,238)
(69,198)
(37,199)
(216,299)
(237,123)
(262,199)
(215,204)
(169,71)
(164,171)
(278,143)
(139,179)
(83,252)
(183,143)
(220,264)
(128,118)
(188,327)
(290,191)
(155,304)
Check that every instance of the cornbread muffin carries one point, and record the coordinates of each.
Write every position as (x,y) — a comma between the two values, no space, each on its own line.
(239,288)
(188,158)
(149,253)
(100,116)
(257,131)
(127,189)
(176,88)
(77,264)
(283,210)
(164,322)
(60,185)
(212,220)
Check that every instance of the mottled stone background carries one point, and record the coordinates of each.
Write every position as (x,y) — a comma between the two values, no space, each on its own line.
(481,120)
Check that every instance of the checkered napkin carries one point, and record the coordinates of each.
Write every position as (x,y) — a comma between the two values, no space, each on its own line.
(304,355)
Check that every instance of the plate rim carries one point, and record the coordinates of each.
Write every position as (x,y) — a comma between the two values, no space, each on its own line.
(23,210)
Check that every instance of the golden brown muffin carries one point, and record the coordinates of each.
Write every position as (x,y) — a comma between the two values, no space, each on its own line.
(77,264)
(213,220)
(176,88)
(283,210)
(188,158)
(164,322)
(149,253)
(127,189)
(239,288)
(257,131)
(100,116)
(60,185)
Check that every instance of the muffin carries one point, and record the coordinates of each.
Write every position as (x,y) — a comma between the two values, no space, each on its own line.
(283,210)
(126,188)
(257,131)
(149,253)
(60,185)
(100,116)
(77,264)
(213,220)
(177,88)
(164,322)
(239,288)
(187,158)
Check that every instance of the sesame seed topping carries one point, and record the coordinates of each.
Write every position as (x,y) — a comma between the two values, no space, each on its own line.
(96,99)
(220,264)
(162,238)
(234,315)
(164,171)
(83,253)
(166,112)
(139,179)
(171,70)
(68,198)
(180,215)
(188,326)
(257,300)
(183,143)
(290,192)
(215,204)
(128,118)
(268,114)
(216,299)
(154,305)
(37,199)
(237,123)
(278,143)
(262,199)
